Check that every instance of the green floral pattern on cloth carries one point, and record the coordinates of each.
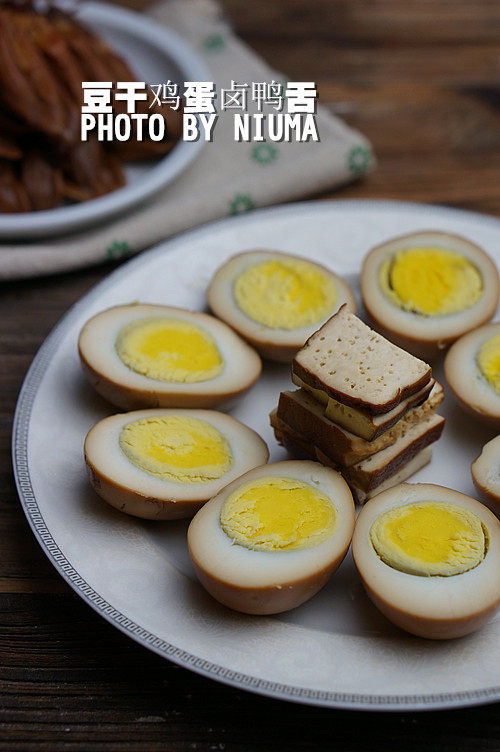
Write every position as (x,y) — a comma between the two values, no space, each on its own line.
(241,203)
(118,249)
(359,159)
(214,43)
(264,154)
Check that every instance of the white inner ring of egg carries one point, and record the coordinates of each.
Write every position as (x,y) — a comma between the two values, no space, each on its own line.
(488,361)
(169,349)
(278,514)
(285,293)
(177,448)
(431,281)
(429,538)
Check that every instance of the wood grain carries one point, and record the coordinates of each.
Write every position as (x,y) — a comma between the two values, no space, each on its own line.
(421,80)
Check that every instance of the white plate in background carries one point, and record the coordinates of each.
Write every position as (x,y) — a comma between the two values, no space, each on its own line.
(336,650)
(155,55)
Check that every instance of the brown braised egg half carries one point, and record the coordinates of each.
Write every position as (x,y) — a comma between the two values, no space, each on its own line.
(164,464)
(271,539)
(426,289)
(429,558)
(275,300)
(486,474)
(143,355)
(472,370)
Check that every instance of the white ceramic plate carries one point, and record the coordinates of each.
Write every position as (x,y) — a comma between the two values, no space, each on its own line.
(155,55)
(335,650)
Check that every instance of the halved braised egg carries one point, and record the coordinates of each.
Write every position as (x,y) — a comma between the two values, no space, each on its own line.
(426,289)
(276,300)
(486,474)
(164,464)
(472,370)
(145,355)
(429,558)
(271,539)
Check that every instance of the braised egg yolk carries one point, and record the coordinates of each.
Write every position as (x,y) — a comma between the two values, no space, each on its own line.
(488,362)
(169,350)
(431,281)
(285,294)
(429,538)
(278,514)
(177,448)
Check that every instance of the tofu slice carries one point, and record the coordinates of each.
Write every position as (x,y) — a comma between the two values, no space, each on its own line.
(360,497)
(359,421)
(370,473)
(358,367)
(413,466)
(304,415)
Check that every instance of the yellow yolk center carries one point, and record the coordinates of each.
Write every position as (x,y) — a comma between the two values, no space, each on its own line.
(431,281)
(288,294)
(488,361)
(169,350)
(278,514)
(429,538)
(177,448)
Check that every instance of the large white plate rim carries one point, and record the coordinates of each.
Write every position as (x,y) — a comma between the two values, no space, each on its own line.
(29,503)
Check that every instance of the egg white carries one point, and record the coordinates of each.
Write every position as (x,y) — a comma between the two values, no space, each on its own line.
(128,389)
(419,601)
(274,344)
(126,486)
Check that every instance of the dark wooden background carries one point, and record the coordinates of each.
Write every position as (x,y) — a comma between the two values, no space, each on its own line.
(421,79)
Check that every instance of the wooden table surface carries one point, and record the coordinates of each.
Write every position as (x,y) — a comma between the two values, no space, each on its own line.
(421,79)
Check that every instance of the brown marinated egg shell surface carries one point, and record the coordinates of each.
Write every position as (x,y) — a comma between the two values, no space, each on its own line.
(436,607)
(267,582)
(272,343)
(127,389)
(427,336)
(486,474)
(134,491)
(465,380)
